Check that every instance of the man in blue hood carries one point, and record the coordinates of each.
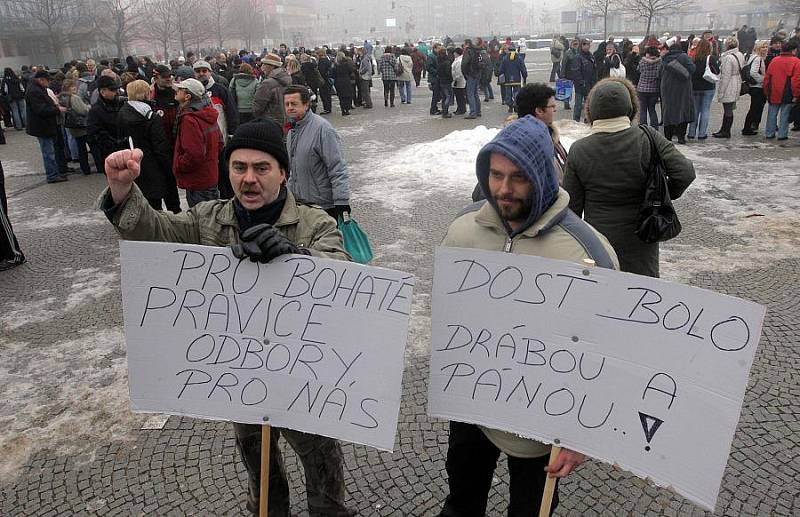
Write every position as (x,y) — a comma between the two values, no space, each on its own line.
(525,212)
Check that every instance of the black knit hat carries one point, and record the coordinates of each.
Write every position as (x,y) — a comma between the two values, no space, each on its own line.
(263,135)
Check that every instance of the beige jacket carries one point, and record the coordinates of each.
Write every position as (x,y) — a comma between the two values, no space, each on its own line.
(558,234)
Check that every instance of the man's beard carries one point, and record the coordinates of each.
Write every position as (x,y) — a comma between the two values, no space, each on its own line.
(517,212)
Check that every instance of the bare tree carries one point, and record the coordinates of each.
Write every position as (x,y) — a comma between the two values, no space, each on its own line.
(788,7)
(59,18)
(190,24)
(117,21)
(248,28)
(161,22)
(218,12)
(649,9)
(601,8)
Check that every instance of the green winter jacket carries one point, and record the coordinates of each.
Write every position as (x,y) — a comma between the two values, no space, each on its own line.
(557,234)
(214,223)
(606,183)
(243,88)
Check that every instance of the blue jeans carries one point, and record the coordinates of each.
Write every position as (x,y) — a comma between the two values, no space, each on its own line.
(436,97)
(702,109)
(577,109)
(196,196)
(47,146)
(778,119)
(446,91)
(647,108)
(405,91)
(488,92)
(473,99)
(18,113)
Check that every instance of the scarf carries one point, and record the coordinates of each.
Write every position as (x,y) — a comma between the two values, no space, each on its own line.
(611,125)
(267,214)
(142,108)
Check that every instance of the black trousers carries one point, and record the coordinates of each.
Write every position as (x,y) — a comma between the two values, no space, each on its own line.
(471,460)
(678,130)
(461,100)
(325,93)
(9,246)
(757,101)
(60,145)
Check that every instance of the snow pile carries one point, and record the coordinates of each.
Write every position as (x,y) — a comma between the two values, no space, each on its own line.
(405,177)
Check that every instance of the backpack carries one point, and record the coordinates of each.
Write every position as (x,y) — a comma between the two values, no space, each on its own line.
(747,77)
(398,68)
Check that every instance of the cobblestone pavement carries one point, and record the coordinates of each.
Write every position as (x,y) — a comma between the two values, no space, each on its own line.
(69,445)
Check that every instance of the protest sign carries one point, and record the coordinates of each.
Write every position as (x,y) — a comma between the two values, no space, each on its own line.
(631,370)
(315,345)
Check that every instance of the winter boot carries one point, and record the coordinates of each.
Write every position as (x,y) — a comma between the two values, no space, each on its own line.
(725,130)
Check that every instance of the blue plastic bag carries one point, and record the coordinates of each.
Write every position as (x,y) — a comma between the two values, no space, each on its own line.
(564,89)
(355,239)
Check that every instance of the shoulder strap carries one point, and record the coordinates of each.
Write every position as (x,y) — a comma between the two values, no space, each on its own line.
(583,234)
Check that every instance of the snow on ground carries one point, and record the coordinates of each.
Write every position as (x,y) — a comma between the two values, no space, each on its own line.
(405,177)
(66,397)
(48,218)
(20,168)
(750,199)
(86,285)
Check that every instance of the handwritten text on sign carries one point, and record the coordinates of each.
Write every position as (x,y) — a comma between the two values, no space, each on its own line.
(627,369)
(314,344)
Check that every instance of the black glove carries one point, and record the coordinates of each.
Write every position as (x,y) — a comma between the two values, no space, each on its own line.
(340,210)
(264,242)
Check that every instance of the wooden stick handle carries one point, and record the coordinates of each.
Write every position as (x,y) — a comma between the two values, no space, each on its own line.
(549,485)
(264,490)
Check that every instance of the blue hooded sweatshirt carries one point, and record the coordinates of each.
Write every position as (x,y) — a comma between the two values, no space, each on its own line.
(527,143)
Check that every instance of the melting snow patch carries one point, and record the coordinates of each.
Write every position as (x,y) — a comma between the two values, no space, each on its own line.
(47,218)
(20,168)
(420,170)
(68,397)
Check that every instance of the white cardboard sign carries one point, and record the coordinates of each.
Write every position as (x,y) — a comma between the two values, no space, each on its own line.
(631,370)
(314,344)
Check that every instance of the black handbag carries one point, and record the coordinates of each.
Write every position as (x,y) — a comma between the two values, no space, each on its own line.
(74,121)
(658,221)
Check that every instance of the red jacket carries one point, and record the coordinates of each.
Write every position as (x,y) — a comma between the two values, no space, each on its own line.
(197,145)
(782,80)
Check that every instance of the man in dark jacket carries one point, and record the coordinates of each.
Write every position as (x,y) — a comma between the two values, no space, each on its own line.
(444,73)
(471,68)
(262,222)
(41,115)
(195,160)
(163,97)
(579,67)
(102,130)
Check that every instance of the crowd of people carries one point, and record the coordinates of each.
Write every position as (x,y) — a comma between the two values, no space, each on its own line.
(685,74)
(265,174)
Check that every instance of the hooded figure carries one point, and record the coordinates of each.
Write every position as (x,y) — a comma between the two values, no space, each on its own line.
(537,223)
(605,174)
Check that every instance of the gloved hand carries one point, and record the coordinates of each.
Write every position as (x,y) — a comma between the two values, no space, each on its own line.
(341,209)
(264,242)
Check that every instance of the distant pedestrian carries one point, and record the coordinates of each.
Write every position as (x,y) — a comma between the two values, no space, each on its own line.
(387,65)
(782,89)
(757,67)
(12,89)
(243,90)
(42,112)
(730,83)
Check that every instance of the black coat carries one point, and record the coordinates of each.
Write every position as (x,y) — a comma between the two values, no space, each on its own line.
(41,112)
(345,72)
(102,128)
(444,69)
(579,68)
(12,87)
(677,102)
(155,179)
